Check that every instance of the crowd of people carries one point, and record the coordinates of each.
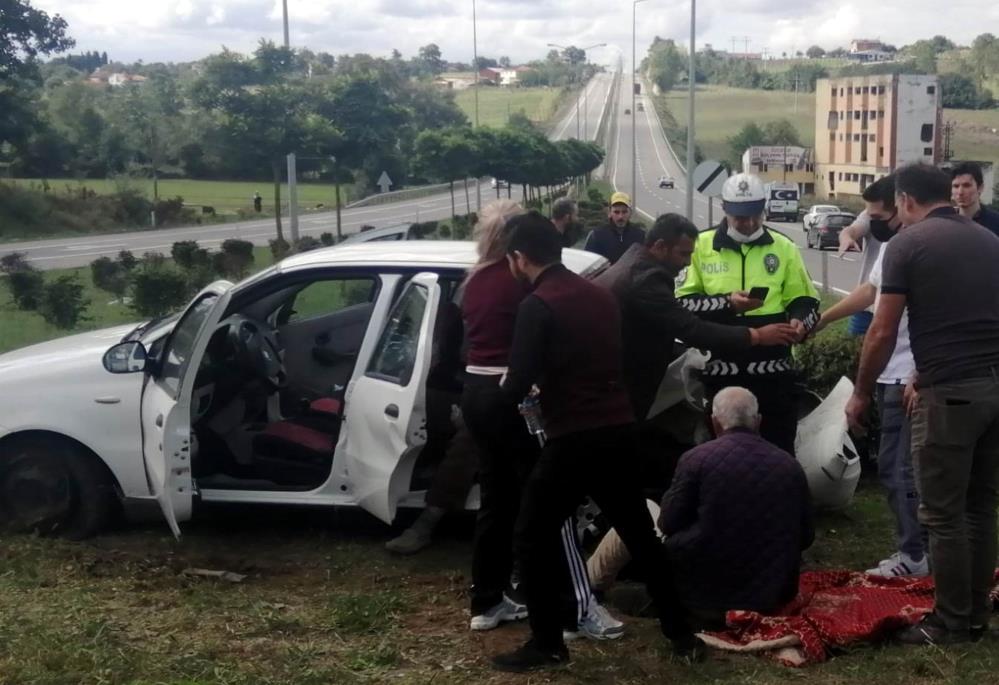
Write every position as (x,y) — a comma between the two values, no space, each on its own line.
(561,373)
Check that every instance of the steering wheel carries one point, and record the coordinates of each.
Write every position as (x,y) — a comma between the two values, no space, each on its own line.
(256,349)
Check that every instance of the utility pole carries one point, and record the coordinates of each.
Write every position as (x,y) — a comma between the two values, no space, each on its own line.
(292,180)
(634,126)
(475,66)
(690,113)
(796,82)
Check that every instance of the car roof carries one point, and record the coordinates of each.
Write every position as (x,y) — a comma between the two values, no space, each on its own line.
(834,207)
(459,254)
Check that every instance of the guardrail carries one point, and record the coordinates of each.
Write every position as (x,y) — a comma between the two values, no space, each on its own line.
(405,194)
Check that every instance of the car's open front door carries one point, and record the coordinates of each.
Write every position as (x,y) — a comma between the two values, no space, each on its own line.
(166,404)
(386,417)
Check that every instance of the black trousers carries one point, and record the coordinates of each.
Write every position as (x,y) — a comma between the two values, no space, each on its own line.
(507,453)
(600,463)
(778,399)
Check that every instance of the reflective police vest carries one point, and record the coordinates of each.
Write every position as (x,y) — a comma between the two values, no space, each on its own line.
(720,266)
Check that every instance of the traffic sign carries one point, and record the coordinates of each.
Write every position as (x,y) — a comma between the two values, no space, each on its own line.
(709,177)
(384,182)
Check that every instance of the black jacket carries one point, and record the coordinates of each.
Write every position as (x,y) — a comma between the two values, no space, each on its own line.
(736,520)
(611,241)
(651,319)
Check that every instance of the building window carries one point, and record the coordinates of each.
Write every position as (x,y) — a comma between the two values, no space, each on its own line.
(881,90)
(764,167)
(833,121)
(881,152)
(856,114)
(841,175)
(856,137)
(840,91)
(832,137)
(881,113)
(870,137)
(834,92)
(874,114)
(928,151)
(930,90)
(926,133)
(856,90)
(865,90)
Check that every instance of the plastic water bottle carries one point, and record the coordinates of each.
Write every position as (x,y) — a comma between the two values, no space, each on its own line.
(530,409)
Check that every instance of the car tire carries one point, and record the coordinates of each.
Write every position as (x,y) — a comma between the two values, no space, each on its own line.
(51,486)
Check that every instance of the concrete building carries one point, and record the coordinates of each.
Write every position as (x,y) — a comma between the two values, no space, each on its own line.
(865,45)
(781,164)
(866,126)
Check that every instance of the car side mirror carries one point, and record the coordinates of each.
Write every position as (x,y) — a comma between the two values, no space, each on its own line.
(126,357)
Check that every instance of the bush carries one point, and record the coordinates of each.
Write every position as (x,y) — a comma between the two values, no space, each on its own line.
(152,260)
(823,359)
(594,195)
(127,260)
(306,243)
(237,256)
(62,303)
(200,275)
(327,239)
(279,248)
(15,261)
(173,211)
(110,276)
(424,229)
(26,288)
(188,255)
(158,290)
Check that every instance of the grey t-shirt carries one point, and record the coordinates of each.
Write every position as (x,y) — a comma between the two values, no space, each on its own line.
(945,265)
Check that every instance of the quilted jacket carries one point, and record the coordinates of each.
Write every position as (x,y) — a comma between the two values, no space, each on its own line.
(736,519)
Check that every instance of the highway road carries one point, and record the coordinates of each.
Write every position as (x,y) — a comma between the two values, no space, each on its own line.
(655,158)
(81,250)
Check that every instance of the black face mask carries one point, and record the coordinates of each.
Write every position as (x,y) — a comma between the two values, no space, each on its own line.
(881,230)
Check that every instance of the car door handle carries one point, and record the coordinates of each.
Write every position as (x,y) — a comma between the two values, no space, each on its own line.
(392,410)
(159,421)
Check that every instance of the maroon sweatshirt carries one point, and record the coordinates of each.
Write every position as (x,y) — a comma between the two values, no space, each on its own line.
(489,308)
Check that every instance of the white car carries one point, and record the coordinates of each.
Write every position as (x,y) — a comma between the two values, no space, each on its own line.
(666,182)
(812,217)
(303,384)
(498,183)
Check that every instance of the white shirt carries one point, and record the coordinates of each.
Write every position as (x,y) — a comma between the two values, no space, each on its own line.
(901,367)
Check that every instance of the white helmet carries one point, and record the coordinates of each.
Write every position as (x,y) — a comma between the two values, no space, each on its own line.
(743,195)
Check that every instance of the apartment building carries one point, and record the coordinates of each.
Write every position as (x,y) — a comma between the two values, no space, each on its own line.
(866,126)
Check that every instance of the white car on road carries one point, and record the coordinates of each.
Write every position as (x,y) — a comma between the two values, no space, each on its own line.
(304,384)
(812,217)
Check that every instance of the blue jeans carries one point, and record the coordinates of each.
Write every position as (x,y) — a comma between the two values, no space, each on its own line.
(895,470)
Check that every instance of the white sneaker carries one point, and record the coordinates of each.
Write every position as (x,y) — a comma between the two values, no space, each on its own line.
(598,625)
(505,610)
(901,565)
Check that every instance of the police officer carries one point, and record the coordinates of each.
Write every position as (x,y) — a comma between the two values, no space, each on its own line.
(743,273)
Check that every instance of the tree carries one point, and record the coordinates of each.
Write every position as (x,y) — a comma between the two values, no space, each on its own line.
(484,63)
(984,57)
(430,56)
(664,63)
(573,55)
(815,52)
(25,33)
(750,134)
(504,62)
(780,132)
(961,92)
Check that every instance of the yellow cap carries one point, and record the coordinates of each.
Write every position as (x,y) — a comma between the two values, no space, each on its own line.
(620,199)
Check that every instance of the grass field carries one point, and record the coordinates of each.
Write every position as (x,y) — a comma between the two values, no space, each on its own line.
(721,112)
(496,104)
(976,135)
(224,196)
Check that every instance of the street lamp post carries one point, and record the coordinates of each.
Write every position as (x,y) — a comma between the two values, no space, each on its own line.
(690,115)
(634,128)
(475,67)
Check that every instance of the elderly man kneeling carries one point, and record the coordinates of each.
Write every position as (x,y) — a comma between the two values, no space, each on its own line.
(734,521)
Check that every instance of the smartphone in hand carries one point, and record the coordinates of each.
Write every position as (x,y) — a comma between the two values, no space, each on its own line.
(759,292)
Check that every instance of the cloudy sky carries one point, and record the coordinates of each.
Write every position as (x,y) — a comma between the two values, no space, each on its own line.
(183,30)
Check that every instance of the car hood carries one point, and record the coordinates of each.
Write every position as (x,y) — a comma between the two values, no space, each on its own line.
(61,354)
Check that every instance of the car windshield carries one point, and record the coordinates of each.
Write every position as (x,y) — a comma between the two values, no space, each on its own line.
(826,209)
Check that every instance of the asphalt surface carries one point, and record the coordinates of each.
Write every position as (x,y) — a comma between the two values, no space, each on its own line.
(76,251)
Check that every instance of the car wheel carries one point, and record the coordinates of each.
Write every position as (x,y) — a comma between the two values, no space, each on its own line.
(50,486)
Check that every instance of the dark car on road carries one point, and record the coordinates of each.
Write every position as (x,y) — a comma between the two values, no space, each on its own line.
(825,231)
